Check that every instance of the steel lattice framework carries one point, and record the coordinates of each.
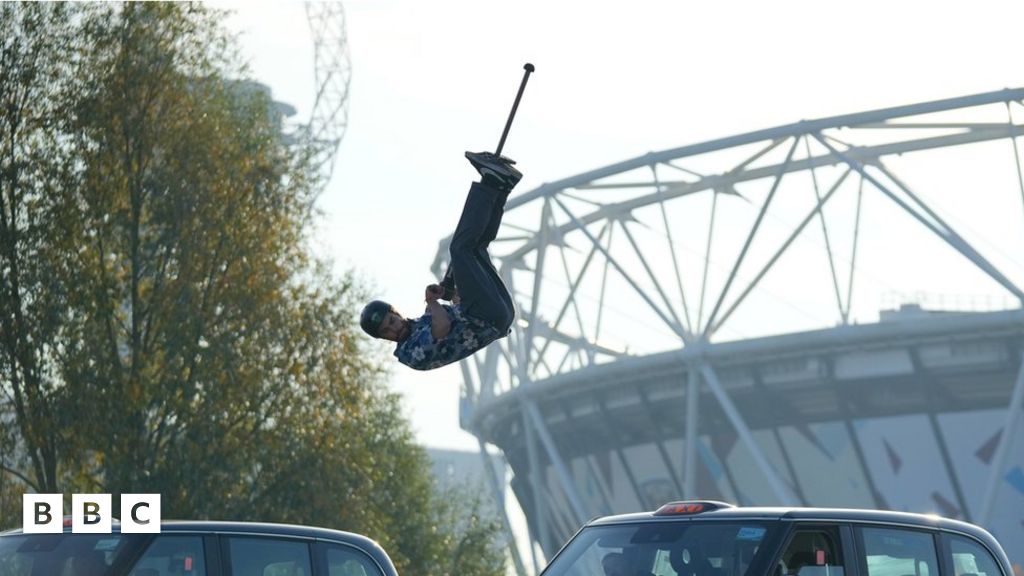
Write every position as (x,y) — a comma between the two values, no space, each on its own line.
(333,74)
(662,254)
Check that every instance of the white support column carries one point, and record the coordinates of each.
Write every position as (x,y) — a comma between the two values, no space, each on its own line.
(782,492)
(692,412)
(535,295)
(537,484)
(1002,454)
(556,460)
(499,499)
(486,376)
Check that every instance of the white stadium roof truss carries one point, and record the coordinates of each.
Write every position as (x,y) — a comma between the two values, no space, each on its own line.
(546,345)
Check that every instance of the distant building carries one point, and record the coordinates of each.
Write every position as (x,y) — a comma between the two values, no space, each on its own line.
(458,469)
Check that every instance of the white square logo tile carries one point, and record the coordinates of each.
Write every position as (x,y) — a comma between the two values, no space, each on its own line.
(140,513)
(91,513)
(42,513)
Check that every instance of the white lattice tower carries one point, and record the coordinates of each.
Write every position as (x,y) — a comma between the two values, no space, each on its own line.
(333,74)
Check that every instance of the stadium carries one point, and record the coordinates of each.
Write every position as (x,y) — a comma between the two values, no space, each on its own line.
(825,313)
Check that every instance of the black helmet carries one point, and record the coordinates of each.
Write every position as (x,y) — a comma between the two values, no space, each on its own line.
(373,315)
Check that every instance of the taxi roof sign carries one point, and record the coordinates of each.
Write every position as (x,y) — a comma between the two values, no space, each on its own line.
(691,507)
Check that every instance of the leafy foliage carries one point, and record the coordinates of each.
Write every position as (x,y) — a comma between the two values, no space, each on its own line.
(163,326)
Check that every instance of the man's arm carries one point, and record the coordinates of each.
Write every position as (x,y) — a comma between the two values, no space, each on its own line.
(440,324)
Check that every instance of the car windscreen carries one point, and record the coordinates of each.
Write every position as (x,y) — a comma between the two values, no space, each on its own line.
(665,549)
(63,554)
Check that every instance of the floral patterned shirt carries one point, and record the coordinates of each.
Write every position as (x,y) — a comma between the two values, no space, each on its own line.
(420,351)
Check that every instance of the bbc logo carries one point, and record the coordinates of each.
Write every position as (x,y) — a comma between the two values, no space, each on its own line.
(90,514)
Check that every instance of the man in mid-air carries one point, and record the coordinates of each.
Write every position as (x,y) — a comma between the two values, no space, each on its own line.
(481,309)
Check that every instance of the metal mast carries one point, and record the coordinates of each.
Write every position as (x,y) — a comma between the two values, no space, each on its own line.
(333,72)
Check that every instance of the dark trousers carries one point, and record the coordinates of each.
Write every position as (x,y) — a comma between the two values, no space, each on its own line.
(484,296)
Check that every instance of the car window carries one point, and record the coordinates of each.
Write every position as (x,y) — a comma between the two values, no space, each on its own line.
(898,552)
(971,558)
(11,560)
(269,557)
(172,556)
(663,549)
(62,554)
(346,561)
(814,552)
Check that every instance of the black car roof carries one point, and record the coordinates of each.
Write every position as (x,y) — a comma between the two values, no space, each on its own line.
(259,528)
(266,529)
(690,511)
(255,528)
(809,514)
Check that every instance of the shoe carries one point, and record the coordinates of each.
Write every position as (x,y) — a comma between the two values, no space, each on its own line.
(496,170)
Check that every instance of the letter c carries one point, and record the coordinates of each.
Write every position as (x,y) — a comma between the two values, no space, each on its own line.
(135,510)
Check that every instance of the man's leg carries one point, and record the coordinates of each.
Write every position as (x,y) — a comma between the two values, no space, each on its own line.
(493,221)
(495,172)
(485,258)
(483,294)
(506,299)
(490,233)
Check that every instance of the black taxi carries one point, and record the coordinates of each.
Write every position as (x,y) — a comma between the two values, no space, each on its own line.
(197,548)
(707,538)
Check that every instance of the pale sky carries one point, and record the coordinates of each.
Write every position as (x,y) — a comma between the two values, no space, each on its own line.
(613,81)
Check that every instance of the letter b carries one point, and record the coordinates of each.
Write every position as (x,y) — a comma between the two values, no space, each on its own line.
(90,513)
(43,515)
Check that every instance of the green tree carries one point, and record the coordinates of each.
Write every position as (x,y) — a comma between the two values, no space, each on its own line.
(35,82)
(164,327)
